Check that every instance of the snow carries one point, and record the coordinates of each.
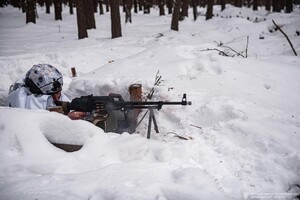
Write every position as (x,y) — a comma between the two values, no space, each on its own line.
(242,128)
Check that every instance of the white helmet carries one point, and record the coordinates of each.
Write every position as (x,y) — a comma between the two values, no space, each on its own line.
(44,79)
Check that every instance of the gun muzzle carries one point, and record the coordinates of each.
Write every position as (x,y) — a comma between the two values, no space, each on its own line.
(184,101)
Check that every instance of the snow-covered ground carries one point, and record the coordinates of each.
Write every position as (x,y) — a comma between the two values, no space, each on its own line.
(243,127)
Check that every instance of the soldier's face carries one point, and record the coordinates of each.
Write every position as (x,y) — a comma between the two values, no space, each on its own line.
(56,96)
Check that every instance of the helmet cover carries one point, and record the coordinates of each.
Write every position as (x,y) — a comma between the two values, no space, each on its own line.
(44,79)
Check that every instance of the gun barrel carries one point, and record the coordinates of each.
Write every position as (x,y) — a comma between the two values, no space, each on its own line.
(147,104)
(88,103)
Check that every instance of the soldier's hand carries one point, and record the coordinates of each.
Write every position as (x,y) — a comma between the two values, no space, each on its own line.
(74,115)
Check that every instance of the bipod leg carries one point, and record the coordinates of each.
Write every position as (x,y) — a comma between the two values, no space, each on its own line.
(150,122)
(154,122)
(151,118)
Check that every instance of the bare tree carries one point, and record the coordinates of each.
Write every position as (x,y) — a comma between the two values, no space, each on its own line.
(175,16)
(135,5)
(202,3)
(288,6)
(237,3)
(89,14)
(116,30)
(71,7)
(268,5)
(276,6)
(128,7)
(57,9)
(23,6)
(255,4)
(101,10)
(141,3)
(184,9)
(124,5)
(40,2)
(81,20)
(2,3)
(161,7)
(194,4)
(30,11)
(48,5)
(281,5)
(170,6)
(223,4)
(147,6)
(209,11)
(14,3)
(107,3)
(95,6)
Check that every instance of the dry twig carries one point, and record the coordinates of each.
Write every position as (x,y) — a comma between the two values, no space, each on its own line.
(196,126)
(176,135)
(285,37)
(215,49)
(236,53)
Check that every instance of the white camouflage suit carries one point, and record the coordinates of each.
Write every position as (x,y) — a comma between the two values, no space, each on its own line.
(21,97)
(36,89)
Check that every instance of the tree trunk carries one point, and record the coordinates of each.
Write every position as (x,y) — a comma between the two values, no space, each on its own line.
(202,3)
(209,12)
(15,3)
(170,6)
(135,5)
(161,7)
(288,6)
(268,5)
(89,14)
(128,11)
(135,91)
(124,5)
(184,9)
(48,5)
(175,16)
(101,10)
(116,30)
(71,7)
(57,9)
(194,3)
(81,19)
(41,3)
(107,3)
(281,5)
(141,3)
(2,3)
(223,4)
(147,6)
(30,13)
(95,5)
(238,3)
(23,6)
(276,7)
(255,4)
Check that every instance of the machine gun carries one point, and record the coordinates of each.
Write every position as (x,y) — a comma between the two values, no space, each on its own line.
(112,113)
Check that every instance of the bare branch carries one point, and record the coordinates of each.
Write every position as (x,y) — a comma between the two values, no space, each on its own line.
(176,135)
(285,37)
(196,126)
(215,49)
(237,53)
